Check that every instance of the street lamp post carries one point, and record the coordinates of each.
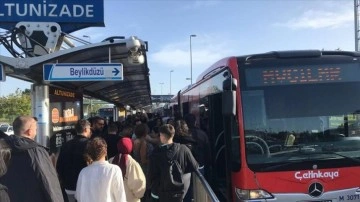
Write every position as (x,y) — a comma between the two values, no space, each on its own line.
(191,77)
(161,84)
(87,36)
(171,71)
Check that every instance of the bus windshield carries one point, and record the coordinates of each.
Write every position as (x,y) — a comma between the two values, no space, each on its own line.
(300,116)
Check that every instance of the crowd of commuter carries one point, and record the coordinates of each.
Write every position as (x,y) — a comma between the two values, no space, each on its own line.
(117,161)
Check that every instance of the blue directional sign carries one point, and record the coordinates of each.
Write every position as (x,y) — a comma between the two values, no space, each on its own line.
(72,15)
(83,72)
(2,73)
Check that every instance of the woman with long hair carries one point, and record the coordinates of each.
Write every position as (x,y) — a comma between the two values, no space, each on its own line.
(142,148)
(183,135)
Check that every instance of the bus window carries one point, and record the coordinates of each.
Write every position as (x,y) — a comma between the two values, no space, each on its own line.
(315,116)
(107,114)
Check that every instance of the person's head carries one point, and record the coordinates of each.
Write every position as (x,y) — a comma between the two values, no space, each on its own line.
(82,127)
(25,126)
(137,121)
(124,145)
(96,149)
(130,120)
(141,130)
(143,118)
(170,121)
(112,129)
(167,133)
(98,123)
(158,121)
(5,155)
(127,131)
(190,120)
(181,128)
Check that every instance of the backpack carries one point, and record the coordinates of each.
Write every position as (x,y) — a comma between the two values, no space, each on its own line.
(172,184)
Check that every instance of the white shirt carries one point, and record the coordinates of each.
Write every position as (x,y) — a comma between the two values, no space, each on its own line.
(100,182)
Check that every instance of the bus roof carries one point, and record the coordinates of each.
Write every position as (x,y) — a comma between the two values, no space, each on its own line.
(221,63)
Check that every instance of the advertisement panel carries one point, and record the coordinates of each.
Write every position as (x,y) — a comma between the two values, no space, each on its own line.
(65,111)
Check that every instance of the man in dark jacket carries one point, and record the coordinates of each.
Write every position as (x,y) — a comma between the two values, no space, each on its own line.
(97,126)
(31,176)
(112,137)
(202,151)
(161,156)
(71,158)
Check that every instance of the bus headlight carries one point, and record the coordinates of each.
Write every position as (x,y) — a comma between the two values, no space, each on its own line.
(244,194)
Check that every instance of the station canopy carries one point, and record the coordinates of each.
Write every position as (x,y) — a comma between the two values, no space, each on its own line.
(133,90)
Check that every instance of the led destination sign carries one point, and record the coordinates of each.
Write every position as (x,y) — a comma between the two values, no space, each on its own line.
(302,75)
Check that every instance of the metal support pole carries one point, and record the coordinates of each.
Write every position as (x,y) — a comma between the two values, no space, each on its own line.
(356,21)
(171,71)
(40,110)
(109,54)
(191,77)
(91,106)
(161,84)
(190,62)
(115,113)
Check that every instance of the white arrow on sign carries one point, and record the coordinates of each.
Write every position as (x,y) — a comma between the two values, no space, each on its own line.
(83,72)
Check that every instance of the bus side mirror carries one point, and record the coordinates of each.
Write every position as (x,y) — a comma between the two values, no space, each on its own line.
(229,97)
(229,103)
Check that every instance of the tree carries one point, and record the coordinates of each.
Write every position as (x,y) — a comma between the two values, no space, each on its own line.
(15,104)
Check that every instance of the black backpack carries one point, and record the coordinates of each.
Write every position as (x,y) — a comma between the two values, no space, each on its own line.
(172,184)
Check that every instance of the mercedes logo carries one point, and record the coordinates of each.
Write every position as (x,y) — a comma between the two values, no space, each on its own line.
(316,189)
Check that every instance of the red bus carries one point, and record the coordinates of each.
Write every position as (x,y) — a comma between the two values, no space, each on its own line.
(283,126)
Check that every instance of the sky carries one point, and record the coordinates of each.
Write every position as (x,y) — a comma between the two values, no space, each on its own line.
(223,28)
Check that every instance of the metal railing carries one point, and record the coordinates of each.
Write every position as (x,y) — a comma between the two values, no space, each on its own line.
(202,190)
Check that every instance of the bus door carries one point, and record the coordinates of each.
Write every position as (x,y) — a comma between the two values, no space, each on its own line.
(224,139)
(216,133)
(231,134)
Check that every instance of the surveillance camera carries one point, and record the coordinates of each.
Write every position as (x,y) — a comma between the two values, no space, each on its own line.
(136,59)
(29,34)
(133,44)
(133,49)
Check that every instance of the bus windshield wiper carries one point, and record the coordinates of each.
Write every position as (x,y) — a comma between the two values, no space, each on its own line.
(274,167)
(332,153)
(344,156)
